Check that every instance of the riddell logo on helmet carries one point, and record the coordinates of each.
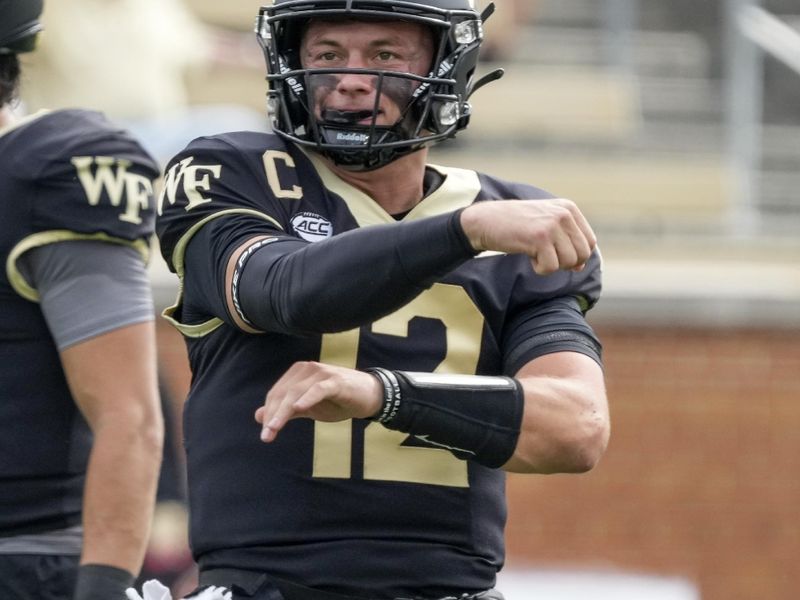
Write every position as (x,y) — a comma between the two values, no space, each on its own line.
(360,138)
(293,83)
(312,227)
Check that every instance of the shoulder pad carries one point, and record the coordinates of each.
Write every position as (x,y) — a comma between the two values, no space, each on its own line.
(86,175)
(220,175)
(493,188)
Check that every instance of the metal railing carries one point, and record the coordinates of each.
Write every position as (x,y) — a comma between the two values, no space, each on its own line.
(771,34)
(751,32)
(619,20)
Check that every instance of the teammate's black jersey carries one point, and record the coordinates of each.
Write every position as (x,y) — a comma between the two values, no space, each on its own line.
(350,507)
(65,175)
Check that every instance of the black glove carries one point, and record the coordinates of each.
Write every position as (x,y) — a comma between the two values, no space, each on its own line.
(102,582)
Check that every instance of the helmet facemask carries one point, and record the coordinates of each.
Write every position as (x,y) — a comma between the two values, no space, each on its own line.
(354,139)
(432,107)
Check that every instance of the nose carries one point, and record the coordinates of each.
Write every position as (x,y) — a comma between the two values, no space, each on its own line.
(355,83)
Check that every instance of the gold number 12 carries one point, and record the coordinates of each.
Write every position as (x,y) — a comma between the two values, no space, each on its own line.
(385,458)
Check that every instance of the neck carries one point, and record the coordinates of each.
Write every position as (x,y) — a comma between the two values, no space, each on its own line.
(6,116)
(397,187)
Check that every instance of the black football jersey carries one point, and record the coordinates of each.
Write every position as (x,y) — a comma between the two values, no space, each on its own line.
(65,175)
(348,507)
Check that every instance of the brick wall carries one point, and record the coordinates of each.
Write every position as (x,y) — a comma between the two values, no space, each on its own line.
(702,475)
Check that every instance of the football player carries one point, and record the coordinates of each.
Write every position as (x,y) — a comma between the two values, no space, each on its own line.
(402,332)
(80,422)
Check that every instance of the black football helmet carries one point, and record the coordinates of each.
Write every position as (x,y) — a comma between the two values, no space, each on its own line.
(19,25)
(437,108)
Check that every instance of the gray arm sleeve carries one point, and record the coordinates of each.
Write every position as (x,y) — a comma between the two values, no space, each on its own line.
(87,288)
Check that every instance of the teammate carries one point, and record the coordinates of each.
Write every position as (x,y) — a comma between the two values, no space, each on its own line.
(80,423)
(374,340)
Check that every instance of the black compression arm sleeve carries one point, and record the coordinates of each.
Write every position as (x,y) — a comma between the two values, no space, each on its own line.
(349,280)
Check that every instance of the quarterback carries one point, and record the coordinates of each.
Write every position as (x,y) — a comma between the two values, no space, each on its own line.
(80,420)
(374,340)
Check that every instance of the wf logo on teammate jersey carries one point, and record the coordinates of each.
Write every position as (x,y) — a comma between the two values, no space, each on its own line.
(110,175)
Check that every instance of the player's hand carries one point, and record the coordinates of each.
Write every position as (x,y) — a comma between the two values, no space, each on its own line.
(553,233)
(321,392)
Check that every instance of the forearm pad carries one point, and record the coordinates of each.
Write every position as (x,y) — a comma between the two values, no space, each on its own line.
(349,280)
(476,418)
(102,582)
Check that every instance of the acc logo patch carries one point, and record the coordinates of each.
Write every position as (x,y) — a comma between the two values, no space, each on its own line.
(312,227)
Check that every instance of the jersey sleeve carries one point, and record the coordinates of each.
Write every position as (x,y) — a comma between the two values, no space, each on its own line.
(214,177)
(546,314)
(89,178)
(88,288)
(218,186)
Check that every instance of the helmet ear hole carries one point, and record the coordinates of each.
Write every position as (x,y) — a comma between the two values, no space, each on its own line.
(438,107)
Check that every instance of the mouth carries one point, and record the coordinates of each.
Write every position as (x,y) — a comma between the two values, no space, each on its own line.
(347,117)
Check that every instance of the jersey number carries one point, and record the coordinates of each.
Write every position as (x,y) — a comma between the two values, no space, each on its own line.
(385,458)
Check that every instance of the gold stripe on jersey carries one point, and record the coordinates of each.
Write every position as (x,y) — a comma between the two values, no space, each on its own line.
(44,238)
(178,257)
(458,190)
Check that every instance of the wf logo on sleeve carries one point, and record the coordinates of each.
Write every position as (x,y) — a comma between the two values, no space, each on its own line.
(130,191)
(193,178)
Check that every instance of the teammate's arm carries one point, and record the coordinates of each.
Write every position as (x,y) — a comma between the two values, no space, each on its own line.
(112,378)
(96,299)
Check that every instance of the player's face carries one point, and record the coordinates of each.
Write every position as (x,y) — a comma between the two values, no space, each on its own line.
(385,45)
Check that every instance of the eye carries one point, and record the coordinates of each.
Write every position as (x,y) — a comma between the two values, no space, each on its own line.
(386,55)
(327,56)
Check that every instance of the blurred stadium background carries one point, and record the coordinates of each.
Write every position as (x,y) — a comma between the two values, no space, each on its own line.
(676,127)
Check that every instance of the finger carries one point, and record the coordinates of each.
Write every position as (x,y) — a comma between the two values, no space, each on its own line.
(566,252)
(582,224)
(557,249)
(574,252)
(279,390)
(579,268)
(273,426)
(307,388)
(315,394)
(272,403)
(545,261)
(278,410)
